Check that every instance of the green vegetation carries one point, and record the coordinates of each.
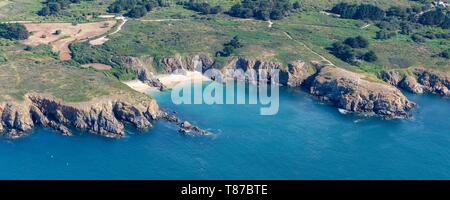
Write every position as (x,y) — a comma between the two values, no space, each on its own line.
(84,53)
(54,7)
(135,8)
(362,11)
(347,51)
(445,54)
(38,71)
(230,47)
(263,9)
(203,7)
(13,31)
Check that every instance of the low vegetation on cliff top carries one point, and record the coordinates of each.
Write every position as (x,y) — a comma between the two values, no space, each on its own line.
(305,30)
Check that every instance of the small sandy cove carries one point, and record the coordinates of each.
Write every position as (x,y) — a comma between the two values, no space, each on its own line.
(171,80)
(168,80)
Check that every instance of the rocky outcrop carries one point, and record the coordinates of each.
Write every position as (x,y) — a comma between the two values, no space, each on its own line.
(353,92)
(143,72)
(105,117)
(199,62)
(410,84)
(185,126)
(294,75)
(419,81)
(391,77)
(433,82)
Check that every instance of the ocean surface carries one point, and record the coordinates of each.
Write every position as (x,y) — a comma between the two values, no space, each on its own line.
(307,139)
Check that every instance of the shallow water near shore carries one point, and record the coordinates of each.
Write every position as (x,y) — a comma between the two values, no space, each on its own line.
(305,140)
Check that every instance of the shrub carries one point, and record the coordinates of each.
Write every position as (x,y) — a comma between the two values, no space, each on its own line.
(370,56)
(357,42)
(263,9)
(362,11)
(445,54)
(384,35)
(14,31)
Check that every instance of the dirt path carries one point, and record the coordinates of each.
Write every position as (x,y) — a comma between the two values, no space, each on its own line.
(160,20)
(103,39)
(309,49)
(365,26)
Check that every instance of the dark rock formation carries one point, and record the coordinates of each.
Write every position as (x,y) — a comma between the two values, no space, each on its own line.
(294,75)
(391,77)
(410,84)
(185,126)
(433,82)
(427,81)
(200,63)
(352,92)
(104,117)
(143,72)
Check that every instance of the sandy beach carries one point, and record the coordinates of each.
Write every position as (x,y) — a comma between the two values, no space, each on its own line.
(140,86)
(171,80)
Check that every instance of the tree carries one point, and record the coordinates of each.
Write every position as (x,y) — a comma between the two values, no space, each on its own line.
(297,5)
(263,9)
(13,31)
(362,11)
(357,42)
(370,56)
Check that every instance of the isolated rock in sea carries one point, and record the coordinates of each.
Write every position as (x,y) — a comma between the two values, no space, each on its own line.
(352,92)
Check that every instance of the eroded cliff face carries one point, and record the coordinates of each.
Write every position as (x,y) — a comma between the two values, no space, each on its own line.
(199,63)
(420,81)
(142,67)
(344,89)
(105,117)
(293,76)
(352,92)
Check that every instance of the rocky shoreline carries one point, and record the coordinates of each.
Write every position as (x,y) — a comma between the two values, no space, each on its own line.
(419,81)
(106,117)
(346,90)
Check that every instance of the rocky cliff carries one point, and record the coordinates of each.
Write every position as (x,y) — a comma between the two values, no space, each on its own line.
(354,92)
(293,76)
(142,67)
(344,89)
(105,116)
(419,81)
(199,62)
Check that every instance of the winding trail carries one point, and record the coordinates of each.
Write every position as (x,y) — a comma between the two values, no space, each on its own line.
(103,39)
(309,49)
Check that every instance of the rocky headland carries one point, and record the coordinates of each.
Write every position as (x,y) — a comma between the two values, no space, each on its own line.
(106,116)
(350,91)
(419,80)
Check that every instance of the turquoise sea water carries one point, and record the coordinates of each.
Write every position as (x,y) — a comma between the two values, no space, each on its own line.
(306,140)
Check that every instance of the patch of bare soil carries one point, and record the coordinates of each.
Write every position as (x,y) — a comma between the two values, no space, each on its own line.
(60,35)
(97,66)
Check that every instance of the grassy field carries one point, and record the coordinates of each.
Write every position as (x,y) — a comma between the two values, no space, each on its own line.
(320,31)
(39,71)
(206,35)
(26,10)
(302,36)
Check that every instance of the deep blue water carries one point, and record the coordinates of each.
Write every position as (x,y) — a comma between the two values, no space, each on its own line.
(306,140)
